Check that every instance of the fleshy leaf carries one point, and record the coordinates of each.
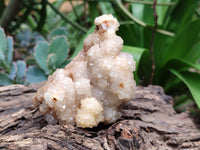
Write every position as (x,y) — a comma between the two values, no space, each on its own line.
(59,47)
(40,39)
(13,71)
(4,79)
(10,50)
(2,56)
(51,61)
(35,75)
(192,80)
(41,54)
(21,68)
(59,32)
(3,43)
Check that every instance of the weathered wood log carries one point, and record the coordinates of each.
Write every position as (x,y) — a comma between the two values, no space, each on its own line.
(149,122)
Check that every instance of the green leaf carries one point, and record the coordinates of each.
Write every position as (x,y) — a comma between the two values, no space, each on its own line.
(93,10)
(35,75)
(41,54)
(80,45)
(51,61)
(3,42)
(181,15)
(137,54)
(40,39)
(183,42)
(178,65)
(194,53)
(59,32)
(192,81)
(141,11)
(162,11)
(4,79)
(30,61)
(2,56)
(130,35)
(13,71)
(59,47)
(106,8)
(10,50)
(21,68)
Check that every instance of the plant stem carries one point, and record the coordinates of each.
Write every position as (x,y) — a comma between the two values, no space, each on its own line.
(2,7)
(141,23)
(149,3)
(152,41)
(10,12)
(31,22)
(136,1)
(75,12)
(66,19)
(43,15)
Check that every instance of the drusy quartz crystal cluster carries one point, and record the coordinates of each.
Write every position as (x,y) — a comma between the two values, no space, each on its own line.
(95,85)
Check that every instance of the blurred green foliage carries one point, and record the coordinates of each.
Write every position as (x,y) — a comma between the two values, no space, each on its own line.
(176,48)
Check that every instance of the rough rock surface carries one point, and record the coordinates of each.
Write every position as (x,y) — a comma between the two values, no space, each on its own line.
(95,85)
(148,123)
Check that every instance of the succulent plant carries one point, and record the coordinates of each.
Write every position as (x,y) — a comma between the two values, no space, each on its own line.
(12,72)
(49,56)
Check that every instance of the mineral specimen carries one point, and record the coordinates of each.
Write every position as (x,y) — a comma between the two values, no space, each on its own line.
(95,85)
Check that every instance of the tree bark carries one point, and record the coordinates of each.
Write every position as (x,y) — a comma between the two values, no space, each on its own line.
(148,122)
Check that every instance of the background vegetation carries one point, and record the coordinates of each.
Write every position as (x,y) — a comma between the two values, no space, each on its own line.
(45,30)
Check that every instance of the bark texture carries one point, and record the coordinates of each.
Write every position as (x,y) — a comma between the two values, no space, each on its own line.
(149,122)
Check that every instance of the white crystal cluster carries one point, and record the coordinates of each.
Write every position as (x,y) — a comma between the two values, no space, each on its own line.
(95,85)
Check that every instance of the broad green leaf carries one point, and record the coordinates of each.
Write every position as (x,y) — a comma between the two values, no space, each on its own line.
(3,42)
(129,35)
(194,53)
(181,15)
(183,42)
(4,79)
(51,61)
(80,45)
(137,11)
(21,68)
(106,8)
(59,47)
(93,10)
(10,50)
(41,54)
(192,81)
(137,54)
(13,71)
(140,11)
(178,65)
(59,32)
(35,75)
(161,11)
